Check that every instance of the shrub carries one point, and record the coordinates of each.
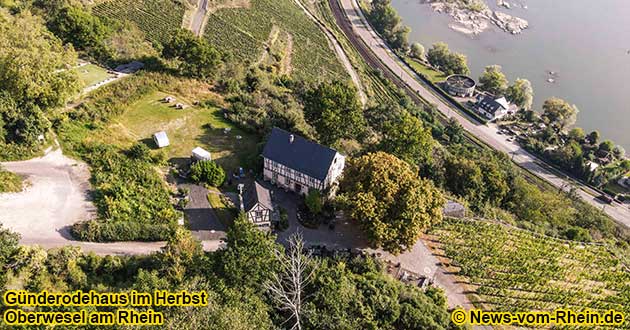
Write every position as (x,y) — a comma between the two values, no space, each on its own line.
(97,231)
(313,201)
(140,151)
(208,172)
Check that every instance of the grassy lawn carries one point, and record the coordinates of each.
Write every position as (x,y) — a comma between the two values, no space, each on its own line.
(434,76)
(195,126)
(224,213)
(91,74)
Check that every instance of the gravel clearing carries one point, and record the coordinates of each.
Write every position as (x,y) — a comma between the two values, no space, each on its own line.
(56,196)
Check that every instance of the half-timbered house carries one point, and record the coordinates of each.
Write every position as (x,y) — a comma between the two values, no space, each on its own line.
(256,203)
(297,164)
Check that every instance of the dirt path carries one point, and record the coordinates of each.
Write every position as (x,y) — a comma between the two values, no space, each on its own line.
(341,54)
(199,17)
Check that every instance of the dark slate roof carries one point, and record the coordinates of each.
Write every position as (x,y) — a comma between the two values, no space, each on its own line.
(301,155)
(254,194)
(491,104)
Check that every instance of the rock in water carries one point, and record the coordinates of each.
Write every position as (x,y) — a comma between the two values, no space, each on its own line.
(509,23)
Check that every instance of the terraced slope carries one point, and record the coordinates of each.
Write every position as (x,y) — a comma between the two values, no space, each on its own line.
(157,18)
(514,270)
(246,33)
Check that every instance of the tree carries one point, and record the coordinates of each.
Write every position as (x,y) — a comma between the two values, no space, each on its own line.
(387,23)
(334,110)
(559,112)
(438,54)
(181,256)
(249,258)
(8,252)
(417,51)
(607,146)
(208,172)
(521,93)
(287,286)
(463,178)
(619,152)
(81,29)
(197,58)
(406,138)
(593,137)
(457,64)
(450,63)
(454,131)
(34,76)
(313,201)
(577,134)
(389,201)
(492,80)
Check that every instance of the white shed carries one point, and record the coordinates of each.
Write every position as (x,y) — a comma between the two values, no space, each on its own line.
(161,139)
(201,154)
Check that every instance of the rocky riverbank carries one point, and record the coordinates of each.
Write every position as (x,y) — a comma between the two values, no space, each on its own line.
(476,18)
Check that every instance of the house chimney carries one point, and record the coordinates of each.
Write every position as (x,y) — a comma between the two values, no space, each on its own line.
(291,138)
(240,188)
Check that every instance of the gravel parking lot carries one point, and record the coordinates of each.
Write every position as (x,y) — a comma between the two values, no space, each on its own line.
(56,196)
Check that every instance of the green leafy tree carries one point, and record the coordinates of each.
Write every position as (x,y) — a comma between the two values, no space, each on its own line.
(493,80)
(438,54)
(197,58)
(559,112)
(577,134)
(457,64)
(334,110)
(249,257)
(389,201)
(82,29)
(521,93)
(454,131)
(181,256)
(593,137)
(8,253)
(386,21)
(407,139)
(450,63)
(34,65)
(140,151)
(417,51)
(208,172)
(607,146)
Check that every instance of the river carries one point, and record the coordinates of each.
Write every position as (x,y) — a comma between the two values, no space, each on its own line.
(585,42)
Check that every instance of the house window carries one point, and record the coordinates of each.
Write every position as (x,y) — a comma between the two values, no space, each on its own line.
(258,214)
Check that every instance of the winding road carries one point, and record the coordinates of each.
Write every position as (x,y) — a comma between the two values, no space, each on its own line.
(376,52)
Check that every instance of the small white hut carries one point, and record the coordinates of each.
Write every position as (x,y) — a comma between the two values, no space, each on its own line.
(201,154)
(161,139)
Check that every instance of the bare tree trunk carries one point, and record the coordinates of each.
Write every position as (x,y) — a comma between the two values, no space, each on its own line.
(287,285)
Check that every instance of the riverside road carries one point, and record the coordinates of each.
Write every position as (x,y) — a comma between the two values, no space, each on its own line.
(374,50)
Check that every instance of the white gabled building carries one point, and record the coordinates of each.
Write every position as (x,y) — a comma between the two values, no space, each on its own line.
(493,108)
(297,164)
